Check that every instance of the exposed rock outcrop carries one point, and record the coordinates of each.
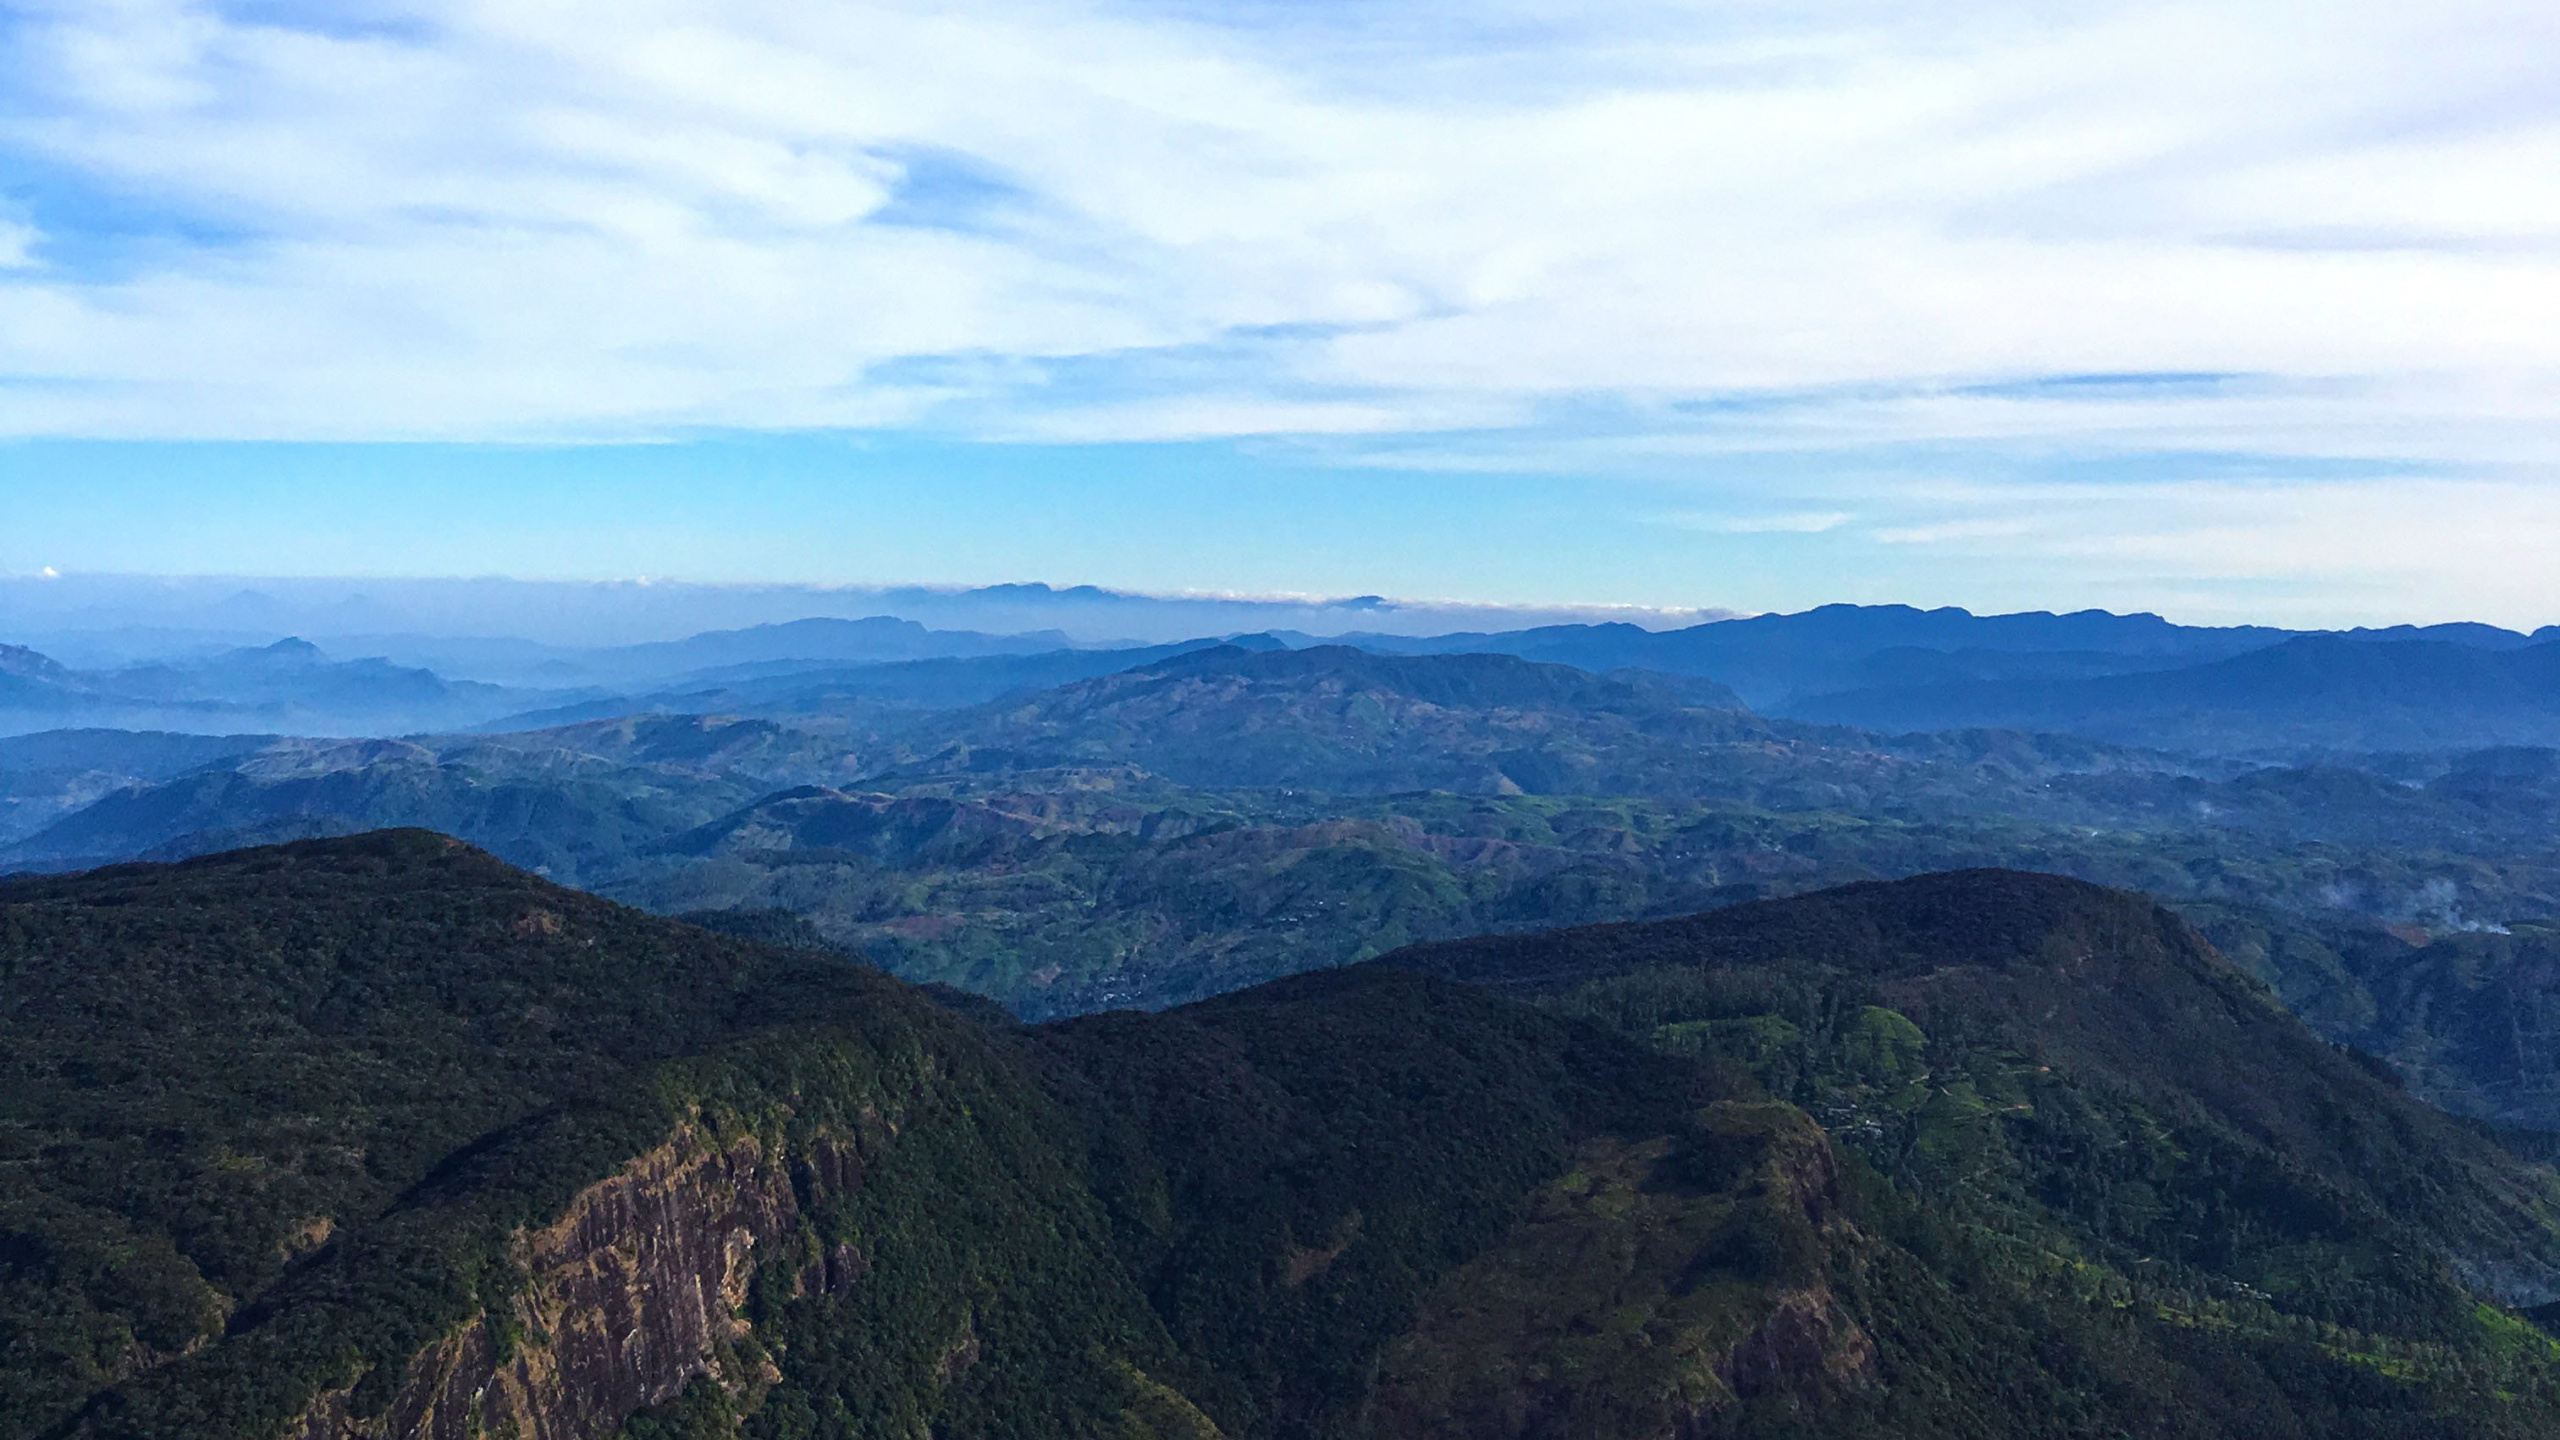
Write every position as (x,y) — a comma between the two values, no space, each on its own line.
(626,1298)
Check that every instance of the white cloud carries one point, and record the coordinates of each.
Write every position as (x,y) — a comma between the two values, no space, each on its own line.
(2425,547)
(577,219)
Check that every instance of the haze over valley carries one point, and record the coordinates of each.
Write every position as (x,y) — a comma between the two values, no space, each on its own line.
(1069,824)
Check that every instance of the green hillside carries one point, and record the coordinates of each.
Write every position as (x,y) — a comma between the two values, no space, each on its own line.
(289,1107)
(1211,820)
(378,1136)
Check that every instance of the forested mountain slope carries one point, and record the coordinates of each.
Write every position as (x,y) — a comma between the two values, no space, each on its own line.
(378,1136)
(1032,850)
(328,1126)
(2108,987)
(1341,719)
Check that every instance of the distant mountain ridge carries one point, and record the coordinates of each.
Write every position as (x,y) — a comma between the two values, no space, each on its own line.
(1768,659)
(1334,717)
(875,639)
(563,801)
(290,684)
(802,688)
(2313,691)
(1887,667)
(48,775)
(419,614)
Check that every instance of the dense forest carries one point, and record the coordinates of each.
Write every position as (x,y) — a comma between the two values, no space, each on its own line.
(381,1132)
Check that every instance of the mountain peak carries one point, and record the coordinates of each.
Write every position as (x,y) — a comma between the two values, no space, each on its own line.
(291,648)
(19,660)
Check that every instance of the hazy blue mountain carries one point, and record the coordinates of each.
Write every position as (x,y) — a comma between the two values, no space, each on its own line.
(30,681)
(1767,658)
(799,689)
(290,685)
(1917,665)
(1880,667)
(872,639)
(1773,660)
(2327,692)
(572,803)
(160,616)
(17,662)
(2460,632)
(288,672)
(1337,718)
(47,775)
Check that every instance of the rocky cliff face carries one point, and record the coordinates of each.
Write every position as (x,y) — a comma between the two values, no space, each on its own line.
(626,1299)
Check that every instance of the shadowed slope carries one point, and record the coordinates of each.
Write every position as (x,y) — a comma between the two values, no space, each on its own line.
(380,1137)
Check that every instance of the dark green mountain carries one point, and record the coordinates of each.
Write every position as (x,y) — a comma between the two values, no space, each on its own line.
(2109,987)
(2113,1117)
(323,1128)
(377,1136)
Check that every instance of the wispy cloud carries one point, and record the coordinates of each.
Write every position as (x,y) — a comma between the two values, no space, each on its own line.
(1791,262)
(473,219)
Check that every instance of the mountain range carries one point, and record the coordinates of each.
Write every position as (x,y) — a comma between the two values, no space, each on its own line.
(289,684)
(377,1135)
(1221,817)
(1963,1026)
(2135,679)
(2310,693)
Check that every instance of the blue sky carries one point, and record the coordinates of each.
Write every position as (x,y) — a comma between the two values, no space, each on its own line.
(2231,311)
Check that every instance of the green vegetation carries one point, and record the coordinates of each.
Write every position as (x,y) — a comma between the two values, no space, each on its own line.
(1290,1167)
(213,1069)
(2084,1158)
(320,1088)
(1098,889)
(1975,1155)
(1221,818)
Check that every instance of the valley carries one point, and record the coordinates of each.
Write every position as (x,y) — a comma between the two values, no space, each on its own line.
(1226,1071)
(1245,721)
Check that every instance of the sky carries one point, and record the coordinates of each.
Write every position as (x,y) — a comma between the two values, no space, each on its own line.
(2233,311)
